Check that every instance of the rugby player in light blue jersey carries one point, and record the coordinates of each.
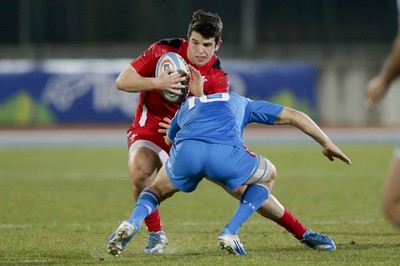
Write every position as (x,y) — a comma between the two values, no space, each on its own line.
(206,134)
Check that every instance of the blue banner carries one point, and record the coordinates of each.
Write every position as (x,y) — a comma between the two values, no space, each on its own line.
(83,91)
(290,84)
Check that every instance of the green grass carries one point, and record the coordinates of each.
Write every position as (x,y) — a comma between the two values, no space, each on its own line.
(58,205)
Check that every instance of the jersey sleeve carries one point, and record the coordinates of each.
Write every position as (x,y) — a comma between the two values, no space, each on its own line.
(264,112)
(146,62)
(220,83)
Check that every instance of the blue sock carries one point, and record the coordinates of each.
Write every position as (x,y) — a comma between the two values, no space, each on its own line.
(147,203)
(251,200)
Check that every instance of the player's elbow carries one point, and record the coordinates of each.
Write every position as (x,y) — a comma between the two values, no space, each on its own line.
(119,83)
(289,116)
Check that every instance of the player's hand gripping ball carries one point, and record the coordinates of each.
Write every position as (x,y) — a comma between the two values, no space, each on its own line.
(177,64)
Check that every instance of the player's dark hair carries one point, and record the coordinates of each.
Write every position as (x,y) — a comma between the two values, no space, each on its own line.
(208,24)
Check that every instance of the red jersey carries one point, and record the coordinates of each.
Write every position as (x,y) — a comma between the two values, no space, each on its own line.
(152,106)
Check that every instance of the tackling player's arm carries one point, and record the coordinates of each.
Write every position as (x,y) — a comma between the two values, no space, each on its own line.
(196,84)
(309,127)
(168,141)
(172,130)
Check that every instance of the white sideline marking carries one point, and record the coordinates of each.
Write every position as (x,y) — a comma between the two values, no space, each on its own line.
(115,136)
(32,261)
(14,225)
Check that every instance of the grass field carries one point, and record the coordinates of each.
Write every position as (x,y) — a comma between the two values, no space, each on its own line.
(58,205)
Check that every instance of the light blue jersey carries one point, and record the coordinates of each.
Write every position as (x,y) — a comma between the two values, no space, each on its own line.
(220,118)
(207,134)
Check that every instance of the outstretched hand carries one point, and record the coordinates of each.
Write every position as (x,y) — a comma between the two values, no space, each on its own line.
(331,151)
(195,82)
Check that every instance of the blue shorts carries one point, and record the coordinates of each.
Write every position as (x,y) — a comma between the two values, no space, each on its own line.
(190,161)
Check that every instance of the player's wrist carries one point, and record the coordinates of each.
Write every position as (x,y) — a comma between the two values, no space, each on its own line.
(154,84)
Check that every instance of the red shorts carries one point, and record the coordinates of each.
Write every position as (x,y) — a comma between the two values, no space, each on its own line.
(154,141)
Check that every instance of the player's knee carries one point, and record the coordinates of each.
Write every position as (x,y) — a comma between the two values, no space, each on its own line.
(271,172)
(270,175)
(266,173)
(139,173)
(142,167)
(238,192)
(391,211)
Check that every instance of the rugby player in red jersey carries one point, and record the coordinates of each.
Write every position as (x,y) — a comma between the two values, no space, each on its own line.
(147,148)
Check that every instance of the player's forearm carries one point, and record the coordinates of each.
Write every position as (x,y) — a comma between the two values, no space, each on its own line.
(314,131)
(391,68)
(134,83)
(304,123)
(309,127)
(130,81)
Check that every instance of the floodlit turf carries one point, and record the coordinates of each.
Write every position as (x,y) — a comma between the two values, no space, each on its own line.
(58,205)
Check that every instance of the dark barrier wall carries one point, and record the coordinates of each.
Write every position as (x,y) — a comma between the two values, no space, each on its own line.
(65,91)
(66,22)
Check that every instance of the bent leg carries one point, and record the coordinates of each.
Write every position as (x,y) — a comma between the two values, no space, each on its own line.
(151,197)
(147,203)
(271,208)
(251,200)
(257,191)
(391,192)
(143,164)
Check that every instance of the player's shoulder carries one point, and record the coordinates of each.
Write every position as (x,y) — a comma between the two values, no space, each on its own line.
(234,95)
(217,65)
(174,43)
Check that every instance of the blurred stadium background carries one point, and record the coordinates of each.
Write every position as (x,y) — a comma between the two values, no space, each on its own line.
(59,58)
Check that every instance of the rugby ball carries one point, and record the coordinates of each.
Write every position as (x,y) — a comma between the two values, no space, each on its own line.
(175,62)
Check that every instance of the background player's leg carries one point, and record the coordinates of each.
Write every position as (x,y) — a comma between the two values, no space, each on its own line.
(391,191)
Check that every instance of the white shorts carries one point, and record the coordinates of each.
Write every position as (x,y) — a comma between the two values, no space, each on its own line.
(150,145)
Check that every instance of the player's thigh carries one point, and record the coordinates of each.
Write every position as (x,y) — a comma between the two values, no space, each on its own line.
(143,163)
(229,165)
(187,157)
(265,173)
(185,166)
(249,168)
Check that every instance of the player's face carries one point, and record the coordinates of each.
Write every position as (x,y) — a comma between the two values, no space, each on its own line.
(201,50)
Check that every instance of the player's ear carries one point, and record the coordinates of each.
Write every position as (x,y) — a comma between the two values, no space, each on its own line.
(217,45)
